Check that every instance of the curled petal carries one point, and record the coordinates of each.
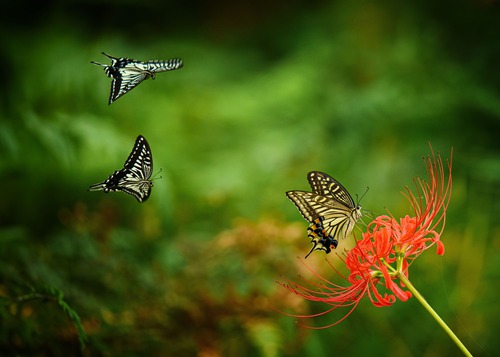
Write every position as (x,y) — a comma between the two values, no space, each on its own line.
(440,248)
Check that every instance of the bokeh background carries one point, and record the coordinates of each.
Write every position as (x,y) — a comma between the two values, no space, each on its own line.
(268,92)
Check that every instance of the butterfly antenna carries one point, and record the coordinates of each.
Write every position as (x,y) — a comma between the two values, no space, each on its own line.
(96,187)
(157,178)
(109,56)
(360,198)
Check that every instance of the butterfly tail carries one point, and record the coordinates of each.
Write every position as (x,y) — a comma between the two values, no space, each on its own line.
(97,187)
(312,250)
(99,64)
(113,60)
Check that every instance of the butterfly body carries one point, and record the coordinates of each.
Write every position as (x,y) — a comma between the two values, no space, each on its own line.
(329,209)
(134,178)
(127,73)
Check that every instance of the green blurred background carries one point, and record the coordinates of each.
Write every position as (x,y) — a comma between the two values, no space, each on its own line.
(268,92)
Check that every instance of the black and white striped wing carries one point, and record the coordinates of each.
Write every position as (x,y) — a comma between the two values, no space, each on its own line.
(134,178)
(140,160)
(156,66)
(124,82)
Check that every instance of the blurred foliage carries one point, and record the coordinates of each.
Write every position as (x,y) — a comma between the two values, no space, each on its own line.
(268,92)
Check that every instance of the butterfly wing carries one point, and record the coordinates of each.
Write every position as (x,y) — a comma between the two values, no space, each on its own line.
(140,159)
(325,185)
(112,183)
(134,178)
(139,166)
(123,82)
(140,189)
(319,237)
(163,66)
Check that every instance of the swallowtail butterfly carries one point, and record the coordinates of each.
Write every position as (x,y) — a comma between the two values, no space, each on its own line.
(127,73)
(134,178)
(329,209)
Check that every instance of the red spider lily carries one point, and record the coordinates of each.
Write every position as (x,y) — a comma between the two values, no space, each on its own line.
(379,262)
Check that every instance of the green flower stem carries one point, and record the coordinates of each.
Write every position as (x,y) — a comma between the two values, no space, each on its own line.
(433,313)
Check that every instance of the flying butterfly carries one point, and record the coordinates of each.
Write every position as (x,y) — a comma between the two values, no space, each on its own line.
(329,209)
(134,178)
(127,73)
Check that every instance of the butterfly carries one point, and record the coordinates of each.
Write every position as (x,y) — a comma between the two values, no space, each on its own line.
(128,73)
(329,209)
(134,178)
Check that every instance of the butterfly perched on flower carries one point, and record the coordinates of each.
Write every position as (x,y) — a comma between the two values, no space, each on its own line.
(329,209)
(127,73)
(134,178)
